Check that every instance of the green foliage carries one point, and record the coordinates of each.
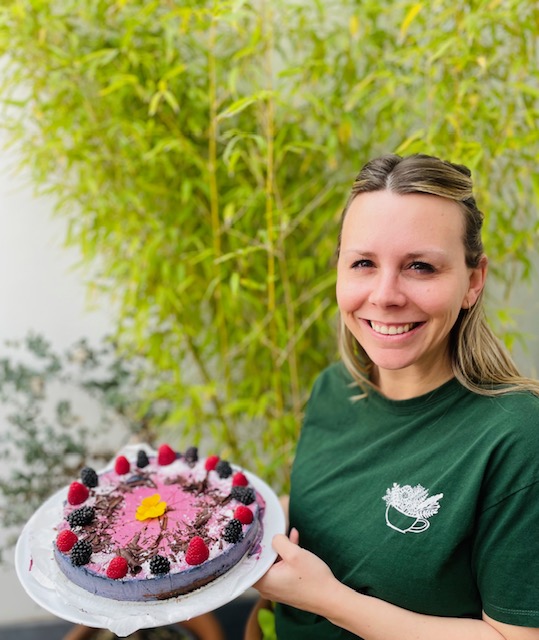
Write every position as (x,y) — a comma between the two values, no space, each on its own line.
(45,440)
(266,621)
(202,151)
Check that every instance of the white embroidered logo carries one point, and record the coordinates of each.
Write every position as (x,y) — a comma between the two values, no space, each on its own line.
(408,508)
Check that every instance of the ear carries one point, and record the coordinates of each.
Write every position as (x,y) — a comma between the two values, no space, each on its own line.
(478,276)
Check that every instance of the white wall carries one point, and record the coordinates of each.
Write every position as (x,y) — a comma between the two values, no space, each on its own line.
(39,291)
(39,287)
(525,301)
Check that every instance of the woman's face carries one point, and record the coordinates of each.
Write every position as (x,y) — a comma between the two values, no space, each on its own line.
(402,280)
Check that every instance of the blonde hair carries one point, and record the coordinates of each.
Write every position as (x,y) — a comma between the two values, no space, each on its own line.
(478,359)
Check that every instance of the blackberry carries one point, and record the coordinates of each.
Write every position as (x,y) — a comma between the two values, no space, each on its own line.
(159,565)
(81,553)
(89,477)
(81,517)
(223,468)
(191,455)
(142,459)
(245,495)
(233,531)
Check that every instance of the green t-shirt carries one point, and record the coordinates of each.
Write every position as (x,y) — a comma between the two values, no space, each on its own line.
(430,503)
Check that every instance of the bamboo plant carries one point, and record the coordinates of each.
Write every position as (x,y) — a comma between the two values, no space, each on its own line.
(201,152)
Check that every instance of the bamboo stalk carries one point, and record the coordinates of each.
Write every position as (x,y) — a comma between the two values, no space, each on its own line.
(214,204)
(267,29)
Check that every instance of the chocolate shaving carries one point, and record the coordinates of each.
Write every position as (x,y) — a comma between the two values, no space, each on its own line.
(133,561)
(138,481)
(202,518)
(163,522)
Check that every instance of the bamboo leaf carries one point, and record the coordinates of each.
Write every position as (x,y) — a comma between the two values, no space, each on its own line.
(171,101)
(154,103)
(409,18)
(405,144)
(119,83)
(239,105)
(353,25)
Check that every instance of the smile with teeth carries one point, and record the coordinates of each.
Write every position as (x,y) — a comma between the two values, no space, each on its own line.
(393,330)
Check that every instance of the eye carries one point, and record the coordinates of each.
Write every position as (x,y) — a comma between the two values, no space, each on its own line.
(362,264)
(422,267)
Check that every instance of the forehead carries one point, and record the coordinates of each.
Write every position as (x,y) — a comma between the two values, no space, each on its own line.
(403,216)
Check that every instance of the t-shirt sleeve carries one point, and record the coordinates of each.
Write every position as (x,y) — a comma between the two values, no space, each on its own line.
(506,558)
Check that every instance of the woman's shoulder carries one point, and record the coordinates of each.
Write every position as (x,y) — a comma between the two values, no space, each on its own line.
(510,421)
(513,406)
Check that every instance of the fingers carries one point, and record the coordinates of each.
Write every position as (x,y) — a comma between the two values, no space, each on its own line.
(294,536)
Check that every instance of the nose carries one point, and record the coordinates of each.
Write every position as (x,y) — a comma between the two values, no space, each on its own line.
(386,290)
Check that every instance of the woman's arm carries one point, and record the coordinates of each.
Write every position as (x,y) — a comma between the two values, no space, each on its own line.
(302,580)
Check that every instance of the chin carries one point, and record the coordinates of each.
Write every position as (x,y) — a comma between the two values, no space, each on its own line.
(391,362)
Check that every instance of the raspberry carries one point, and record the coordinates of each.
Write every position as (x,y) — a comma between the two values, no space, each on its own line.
(165,455)
(142,459)
(223,468)
(89,477)
(65,540)
(159,564)
(197,551)
(81,517)
(245,495)
(233,531)
(243,514)
(211,463)
(122,466)
(117,568)
(81,553)
(239,480)
(191,455)
(77,493)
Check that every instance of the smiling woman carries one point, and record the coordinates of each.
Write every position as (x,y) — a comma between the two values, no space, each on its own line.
(415,486)
(402,282)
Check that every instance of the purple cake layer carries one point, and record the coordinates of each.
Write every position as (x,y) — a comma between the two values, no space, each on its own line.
(161,587)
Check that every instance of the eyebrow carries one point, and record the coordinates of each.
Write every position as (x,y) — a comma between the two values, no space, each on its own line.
(415,255)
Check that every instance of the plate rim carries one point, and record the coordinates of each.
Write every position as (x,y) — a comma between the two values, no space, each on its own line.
(273,522)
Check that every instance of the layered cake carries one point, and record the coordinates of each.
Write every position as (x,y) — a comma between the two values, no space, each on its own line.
(157,526)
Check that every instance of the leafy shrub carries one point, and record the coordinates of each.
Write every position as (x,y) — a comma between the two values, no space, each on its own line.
(57,411)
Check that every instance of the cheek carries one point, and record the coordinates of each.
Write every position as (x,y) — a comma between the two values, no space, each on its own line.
(439,303)
(343,295)
(347,296)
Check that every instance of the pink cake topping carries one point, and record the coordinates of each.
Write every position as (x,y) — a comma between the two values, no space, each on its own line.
(145,515)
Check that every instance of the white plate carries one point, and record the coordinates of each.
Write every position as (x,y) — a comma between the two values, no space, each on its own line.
(46,584)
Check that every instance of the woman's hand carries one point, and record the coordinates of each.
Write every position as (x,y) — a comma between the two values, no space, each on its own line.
(302,580)
(298,578)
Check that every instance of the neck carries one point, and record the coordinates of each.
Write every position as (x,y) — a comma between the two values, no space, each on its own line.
(403,385)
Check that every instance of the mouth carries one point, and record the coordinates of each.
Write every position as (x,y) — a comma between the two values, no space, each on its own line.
(393,329)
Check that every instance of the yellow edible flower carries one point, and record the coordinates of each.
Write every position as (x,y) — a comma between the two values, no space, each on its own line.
(151,507)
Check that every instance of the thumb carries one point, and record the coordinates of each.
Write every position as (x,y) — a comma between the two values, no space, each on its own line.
(284,546)
(281,544)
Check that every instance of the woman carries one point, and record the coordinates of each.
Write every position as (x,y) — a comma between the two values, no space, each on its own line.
(414,500)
